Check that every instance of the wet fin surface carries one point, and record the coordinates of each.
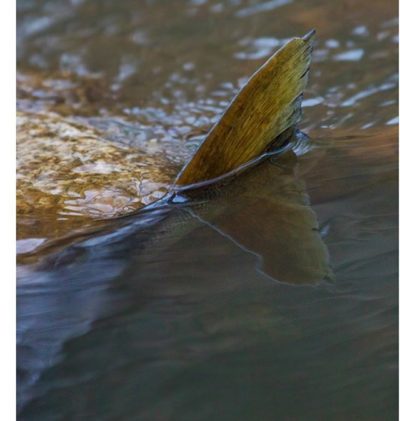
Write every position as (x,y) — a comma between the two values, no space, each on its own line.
(266,106)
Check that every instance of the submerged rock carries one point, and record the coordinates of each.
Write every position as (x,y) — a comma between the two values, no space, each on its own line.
(67,171)
(64,93)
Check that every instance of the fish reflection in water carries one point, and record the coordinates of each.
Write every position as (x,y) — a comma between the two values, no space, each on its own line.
(258,227)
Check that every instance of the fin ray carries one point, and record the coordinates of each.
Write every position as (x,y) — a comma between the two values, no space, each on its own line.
(266,106)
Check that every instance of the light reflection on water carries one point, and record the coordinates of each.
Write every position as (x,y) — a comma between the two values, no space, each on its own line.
(172,318)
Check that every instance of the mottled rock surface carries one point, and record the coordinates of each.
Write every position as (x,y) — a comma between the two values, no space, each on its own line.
(68,175)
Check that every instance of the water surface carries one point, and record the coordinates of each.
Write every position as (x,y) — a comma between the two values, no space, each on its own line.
(274,297)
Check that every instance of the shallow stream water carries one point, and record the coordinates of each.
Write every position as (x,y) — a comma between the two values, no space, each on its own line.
(274,297)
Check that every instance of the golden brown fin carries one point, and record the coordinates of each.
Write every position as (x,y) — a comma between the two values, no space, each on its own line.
(266,106)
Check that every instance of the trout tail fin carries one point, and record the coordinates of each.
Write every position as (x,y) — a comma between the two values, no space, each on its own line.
(267,106)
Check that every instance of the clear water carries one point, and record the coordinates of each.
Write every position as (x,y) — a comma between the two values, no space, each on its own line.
(236,304)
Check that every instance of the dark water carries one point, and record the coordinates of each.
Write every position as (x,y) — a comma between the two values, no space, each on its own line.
(273,297)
